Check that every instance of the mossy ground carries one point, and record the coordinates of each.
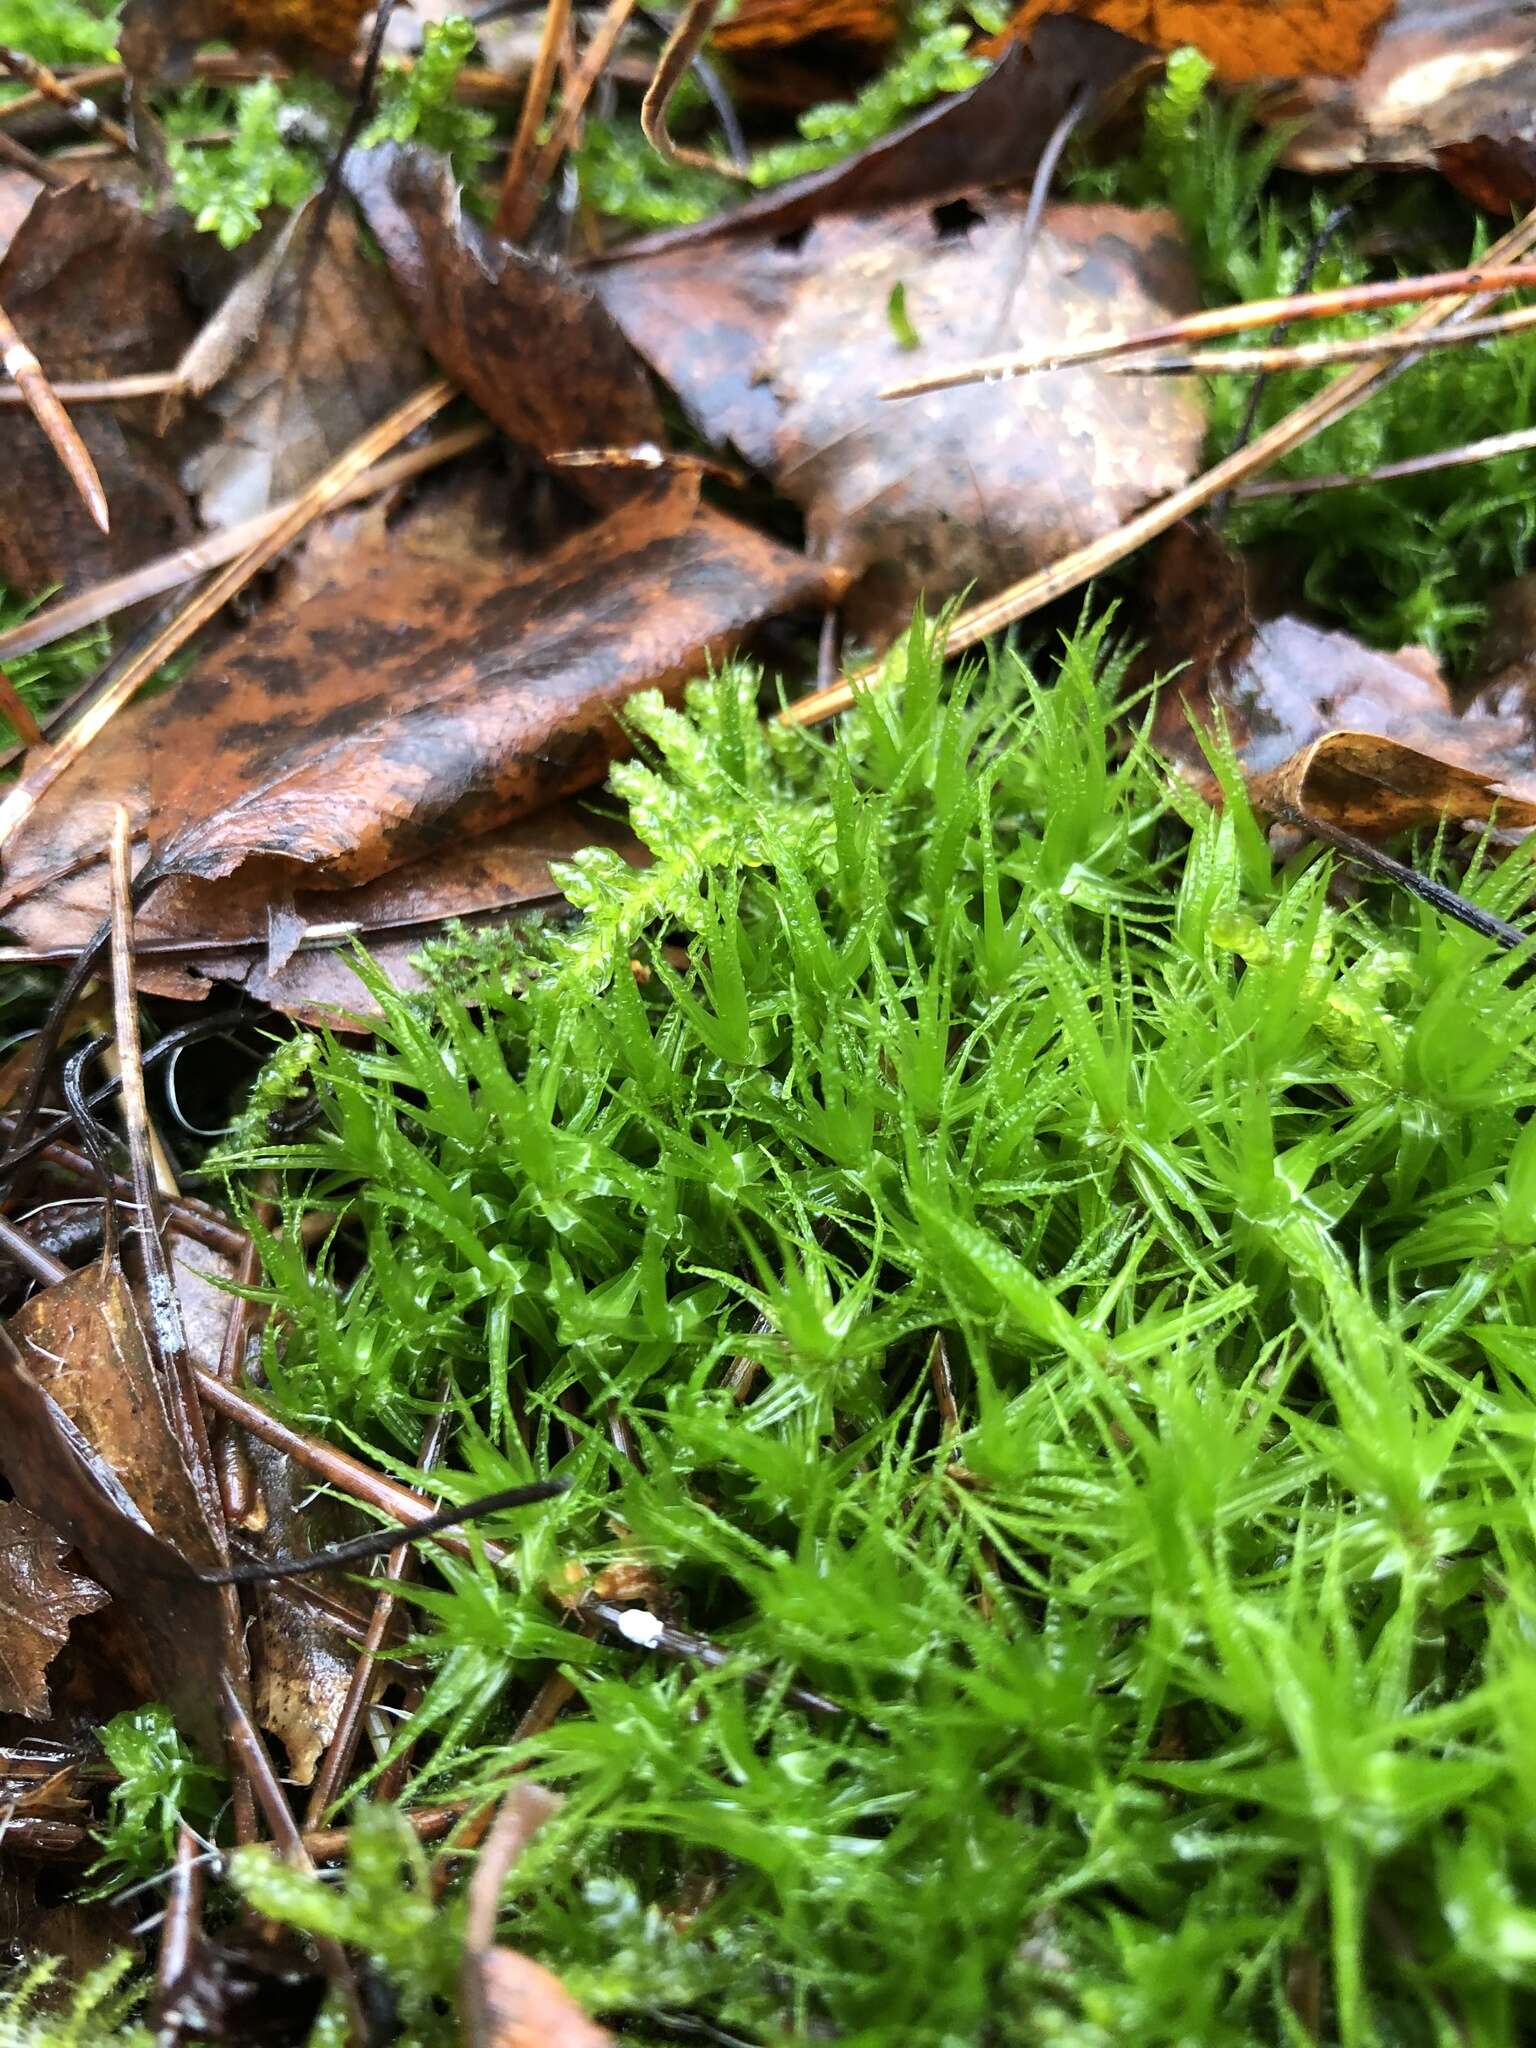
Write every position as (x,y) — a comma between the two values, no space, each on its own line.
(997,1251)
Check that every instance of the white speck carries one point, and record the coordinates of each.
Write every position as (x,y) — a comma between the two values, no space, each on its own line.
(86,112)
(639,1626)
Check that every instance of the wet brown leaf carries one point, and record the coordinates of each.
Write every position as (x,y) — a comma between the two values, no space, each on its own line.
(1449,83)
(286,412)
(992,134)
(404,707)
(39,1598)
(1368,741)
(87,1443)
(92,288)
(530,342)
(783,349)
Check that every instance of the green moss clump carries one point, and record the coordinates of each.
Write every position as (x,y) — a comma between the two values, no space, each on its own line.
(1131,1253)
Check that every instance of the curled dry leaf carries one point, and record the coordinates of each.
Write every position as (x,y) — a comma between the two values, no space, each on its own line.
(401,709)
(1367,741)
(991,134)
(291,397)
(1449,83)
(94,292)
(529,342)
(783,349)
(86,1442)
(1244,39)
(39,1597)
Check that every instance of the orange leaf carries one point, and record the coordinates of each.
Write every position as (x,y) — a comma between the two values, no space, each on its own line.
(1244,39)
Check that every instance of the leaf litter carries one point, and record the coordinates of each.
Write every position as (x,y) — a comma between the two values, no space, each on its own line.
(399,729)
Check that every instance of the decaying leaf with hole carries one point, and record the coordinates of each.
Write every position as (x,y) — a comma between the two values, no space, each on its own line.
(39,1598)
(404,707)
(94,292)
(1367,741)
(86,1443)
(782,349)
(530,342)
(290,397)
(1449,83)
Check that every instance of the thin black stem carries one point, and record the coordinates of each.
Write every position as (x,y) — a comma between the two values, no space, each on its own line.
(1429,891)
(378,1541)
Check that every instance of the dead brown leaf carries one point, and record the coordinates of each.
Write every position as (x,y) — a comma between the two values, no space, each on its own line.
(157,33)
(87,1444)
(1449,83)
(93,290)
(782,349)
(759,25)
(1244,39)
(398,711)
(1366,741)
(39,1597)
(290,396)
(529,342)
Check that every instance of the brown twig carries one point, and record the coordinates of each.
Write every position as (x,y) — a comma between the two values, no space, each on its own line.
(101,390)
(573,103)
(181,565)
(19,712)
(978,622)
(1488,450)
(237,1490)
(427,1823)
(258,1766)
(523,1811)
(515,207)
(324,492)
(167,1334)
(341,1749)
(20,158)
(181,1929)
(89,78)
(1310,355)
(1219,320)
(42,401)
(337,1468)
(63,94)
(681,48)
